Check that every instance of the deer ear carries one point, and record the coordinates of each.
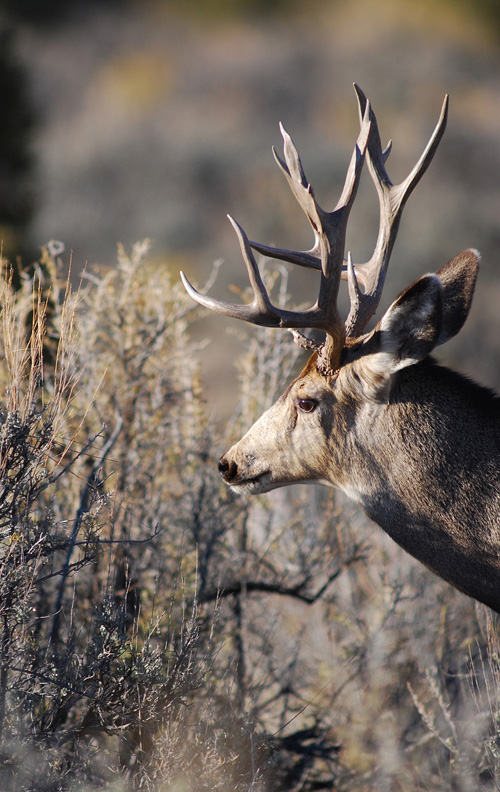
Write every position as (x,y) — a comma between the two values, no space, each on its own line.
(409,329)
(406,334)
(428,313)
(458,278)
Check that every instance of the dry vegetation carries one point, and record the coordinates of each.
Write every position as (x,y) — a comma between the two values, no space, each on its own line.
(158,634)
(155,632)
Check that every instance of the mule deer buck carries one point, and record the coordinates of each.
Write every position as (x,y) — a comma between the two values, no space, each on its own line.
(415,444)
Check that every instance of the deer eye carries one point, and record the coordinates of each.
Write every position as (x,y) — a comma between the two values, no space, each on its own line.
(307,405)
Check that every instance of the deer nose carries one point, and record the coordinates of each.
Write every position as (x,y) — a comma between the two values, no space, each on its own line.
(227,469)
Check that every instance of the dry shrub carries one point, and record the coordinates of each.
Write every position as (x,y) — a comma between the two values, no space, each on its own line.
(155,632)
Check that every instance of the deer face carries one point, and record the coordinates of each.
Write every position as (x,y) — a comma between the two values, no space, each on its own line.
(289,443)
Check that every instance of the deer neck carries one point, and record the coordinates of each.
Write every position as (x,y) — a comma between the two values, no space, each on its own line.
(426,468)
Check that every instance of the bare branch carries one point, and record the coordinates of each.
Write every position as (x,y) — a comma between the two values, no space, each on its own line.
(299,591)
(82,510)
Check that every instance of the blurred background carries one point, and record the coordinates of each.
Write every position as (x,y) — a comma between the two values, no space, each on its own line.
(123,120)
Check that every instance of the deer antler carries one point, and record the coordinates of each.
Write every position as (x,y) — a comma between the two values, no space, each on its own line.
(327,253)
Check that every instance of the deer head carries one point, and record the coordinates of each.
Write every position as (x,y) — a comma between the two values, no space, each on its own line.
(327,256)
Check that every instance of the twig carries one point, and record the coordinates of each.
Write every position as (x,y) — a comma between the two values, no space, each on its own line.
(82,510)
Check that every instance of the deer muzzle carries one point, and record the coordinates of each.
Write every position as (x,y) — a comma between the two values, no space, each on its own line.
(244,479)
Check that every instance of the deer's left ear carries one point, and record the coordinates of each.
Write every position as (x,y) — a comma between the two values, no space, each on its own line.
(428,313)
(410,328)
(406,334)
(458,278)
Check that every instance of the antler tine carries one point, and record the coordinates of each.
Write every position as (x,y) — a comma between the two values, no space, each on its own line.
(260,310)
(303,192)
(392,200)
(303,258)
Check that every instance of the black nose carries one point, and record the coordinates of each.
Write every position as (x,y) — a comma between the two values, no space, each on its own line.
(227,469)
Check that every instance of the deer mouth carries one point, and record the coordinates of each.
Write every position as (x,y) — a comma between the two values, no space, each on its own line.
(255,485)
